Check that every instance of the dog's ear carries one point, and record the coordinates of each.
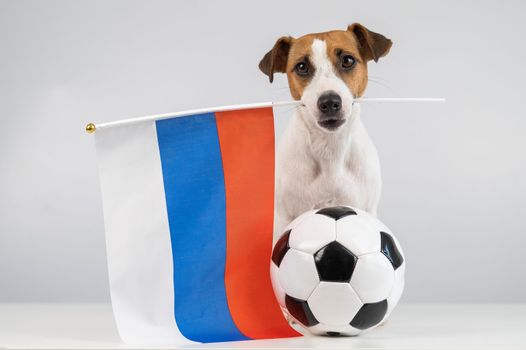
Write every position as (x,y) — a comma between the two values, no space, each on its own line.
(276,59)
(372,45)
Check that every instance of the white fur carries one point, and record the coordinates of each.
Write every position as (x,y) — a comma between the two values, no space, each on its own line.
(315,167)
(325,79)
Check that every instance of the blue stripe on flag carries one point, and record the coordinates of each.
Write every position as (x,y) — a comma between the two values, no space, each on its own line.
(195,199)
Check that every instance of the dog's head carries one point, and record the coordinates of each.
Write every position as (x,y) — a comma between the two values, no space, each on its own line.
(326,71)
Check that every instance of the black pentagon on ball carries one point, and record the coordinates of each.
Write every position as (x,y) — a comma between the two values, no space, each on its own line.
(336,212)
(390,250)
(300,310)
(369,315)
(280,248)
(335,263)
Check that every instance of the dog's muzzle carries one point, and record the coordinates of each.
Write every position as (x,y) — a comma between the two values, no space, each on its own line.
(329,106)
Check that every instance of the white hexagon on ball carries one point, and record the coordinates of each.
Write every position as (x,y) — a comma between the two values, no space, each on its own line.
(373,277)
(398,288)
(313,233)
(334,303)
(278,289)
(358,233)
(299,219)
(297,274)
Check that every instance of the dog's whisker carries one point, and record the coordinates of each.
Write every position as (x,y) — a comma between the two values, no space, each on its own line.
(291,108)
(380,83)
(377,78)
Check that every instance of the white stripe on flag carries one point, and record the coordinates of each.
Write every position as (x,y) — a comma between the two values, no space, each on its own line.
(137,234)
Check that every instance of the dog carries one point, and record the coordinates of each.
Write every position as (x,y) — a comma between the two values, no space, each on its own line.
(326,157)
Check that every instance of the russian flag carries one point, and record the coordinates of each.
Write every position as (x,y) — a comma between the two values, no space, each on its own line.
(188,206)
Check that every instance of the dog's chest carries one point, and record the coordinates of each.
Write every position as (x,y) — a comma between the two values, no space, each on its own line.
(315,171)
(337,183)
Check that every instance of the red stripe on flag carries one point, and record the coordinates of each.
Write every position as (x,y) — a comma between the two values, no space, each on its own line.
(246,138)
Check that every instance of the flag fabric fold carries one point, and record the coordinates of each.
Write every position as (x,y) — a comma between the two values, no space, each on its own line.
(188,209)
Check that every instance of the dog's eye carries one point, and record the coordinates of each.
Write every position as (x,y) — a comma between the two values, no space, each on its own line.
(302,68)
(348,62)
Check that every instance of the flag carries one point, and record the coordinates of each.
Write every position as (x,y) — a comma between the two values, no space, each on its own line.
(188,208)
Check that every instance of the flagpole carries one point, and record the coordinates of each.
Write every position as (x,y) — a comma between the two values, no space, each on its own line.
(91,127)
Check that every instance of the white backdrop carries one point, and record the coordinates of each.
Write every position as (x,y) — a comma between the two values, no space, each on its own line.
(454,186)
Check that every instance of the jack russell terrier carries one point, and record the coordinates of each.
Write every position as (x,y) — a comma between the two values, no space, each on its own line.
(326,157)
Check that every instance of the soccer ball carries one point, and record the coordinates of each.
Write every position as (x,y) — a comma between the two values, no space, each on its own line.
(337,271)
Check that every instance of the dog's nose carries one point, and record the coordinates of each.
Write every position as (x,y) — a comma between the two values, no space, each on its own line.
(329,103)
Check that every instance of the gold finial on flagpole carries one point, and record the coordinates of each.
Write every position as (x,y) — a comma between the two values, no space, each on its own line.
(90,128)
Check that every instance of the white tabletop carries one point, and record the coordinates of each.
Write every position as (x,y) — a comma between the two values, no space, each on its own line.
(412,326)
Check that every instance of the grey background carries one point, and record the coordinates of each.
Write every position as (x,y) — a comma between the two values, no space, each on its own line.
(453,174)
